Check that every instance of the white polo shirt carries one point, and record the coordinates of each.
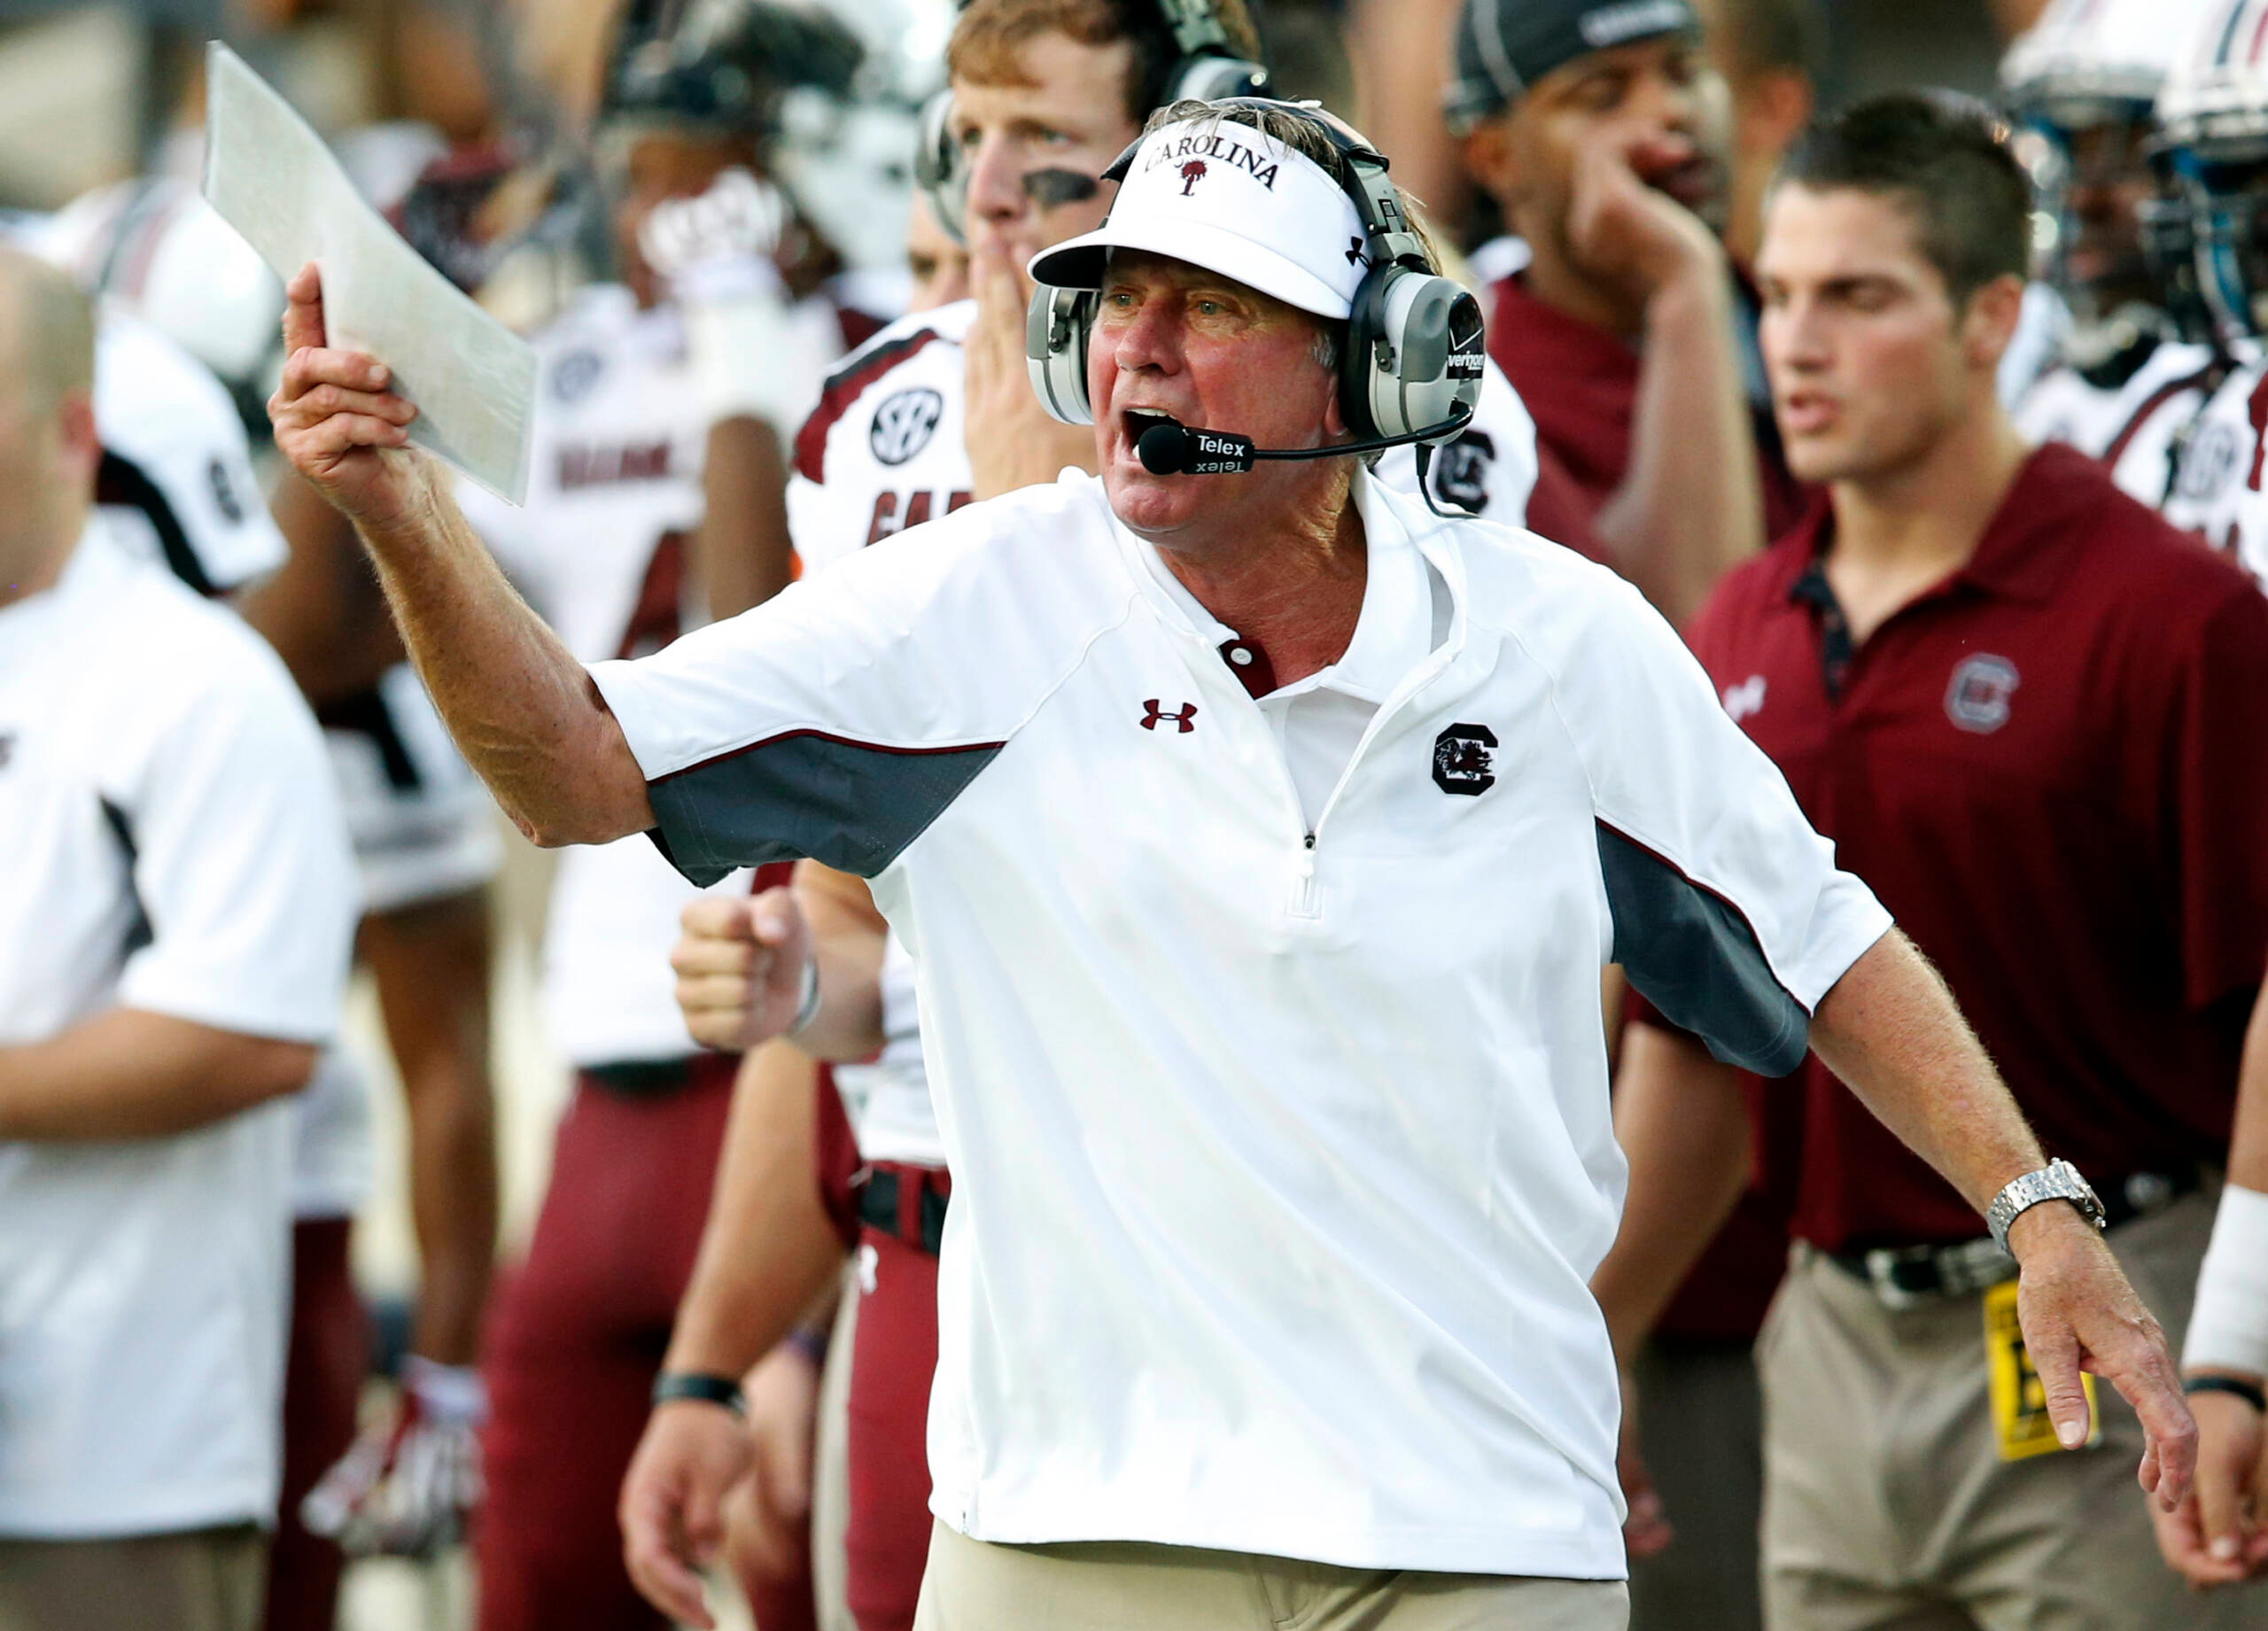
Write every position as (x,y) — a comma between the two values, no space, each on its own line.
(1281,1149)
(171,842)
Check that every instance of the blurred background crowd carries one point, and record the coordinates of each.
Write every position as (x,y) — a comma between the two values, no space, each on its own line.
(480,127)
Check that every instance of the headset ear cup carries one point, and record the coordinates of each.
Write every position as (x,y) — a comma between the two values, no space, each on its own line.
(1422,357)
(938,169)
(1056,327)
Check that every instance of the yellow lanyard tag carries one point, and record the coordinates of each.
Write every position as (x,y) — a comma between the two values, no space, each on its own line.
(2020,1420)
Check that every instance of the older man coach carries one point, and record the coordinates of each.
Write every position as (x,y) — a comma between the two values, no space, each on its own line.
(1260,839)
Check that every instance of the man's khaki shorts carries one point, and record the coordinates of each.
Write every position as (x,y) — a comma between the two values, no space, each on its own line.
(1115,1586)
(1887,1504)
(204,1579)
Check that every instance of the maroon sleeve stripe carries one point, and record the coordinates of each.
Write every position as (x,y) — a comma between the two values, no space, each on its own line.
(845,386)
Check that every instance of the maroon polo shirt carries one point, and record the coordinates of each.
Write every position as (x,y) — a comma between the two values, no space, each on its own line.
(1580,384)
(2052,770)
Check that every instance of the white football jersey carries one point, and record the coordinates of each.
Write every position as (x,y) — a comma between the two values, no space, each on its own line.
(600,550)
(2134,426)
(176,485)
(2217,483)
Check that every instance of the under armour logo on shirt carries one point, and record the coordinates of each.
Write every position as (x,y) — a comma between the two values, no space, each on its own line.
(1187,718)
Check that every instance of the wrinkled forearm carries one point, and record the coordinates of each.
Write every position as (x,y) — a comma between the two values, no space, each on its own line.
(524,711)
(1691,507)
(1890,1028)
(127,1073)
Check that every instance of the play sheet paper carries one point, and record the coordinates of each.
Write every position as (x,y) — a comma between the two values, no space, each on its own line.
(271,177)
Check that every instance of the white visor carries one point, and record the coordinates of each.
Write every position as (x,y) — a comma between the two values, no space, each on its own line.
(1220,195)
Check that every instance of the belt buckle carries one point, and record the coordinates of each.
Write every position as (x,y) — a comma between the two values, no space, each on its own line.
(1883,1264)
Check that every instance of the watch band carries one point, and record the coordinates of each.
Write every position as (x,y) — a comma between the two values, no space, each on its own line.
(807,1009)
(2251,1393)
(2058,1180)
(671,1385)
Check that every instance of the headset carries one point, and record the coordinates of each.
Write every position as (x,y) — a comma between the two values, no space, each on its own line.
(1411,366)
(1203,67)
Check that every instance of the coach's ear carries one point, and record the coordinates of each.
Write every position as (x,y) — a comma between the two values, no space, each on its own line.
(1990,324)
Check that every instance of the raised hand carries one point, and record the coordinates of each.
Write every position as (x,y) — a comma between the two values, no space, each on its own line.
(1627,233)
(739,967)
(1011,441)
(337,422)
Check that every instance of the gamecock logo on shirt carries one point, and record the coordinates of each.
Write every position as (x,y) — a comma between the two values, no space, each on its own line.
(1977,698)
(1461,470)
(1464,759)
(904,424)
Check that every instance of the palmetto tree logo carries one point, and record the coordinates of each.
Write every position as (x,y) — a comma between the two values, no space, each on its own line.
(1192,174)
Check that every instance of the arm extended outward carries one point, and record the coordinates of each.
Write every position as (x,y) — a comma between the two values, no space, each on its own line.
(1890,1029)
(523,710)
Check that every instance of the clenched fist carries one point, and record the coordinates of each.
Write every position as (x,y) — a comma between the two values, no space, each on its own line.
(740,968)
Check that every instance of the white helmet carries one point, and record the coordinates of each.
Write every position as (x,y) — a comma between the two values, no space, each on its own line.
(2213,115)
(2104,52)
(2215,99)
(160,248)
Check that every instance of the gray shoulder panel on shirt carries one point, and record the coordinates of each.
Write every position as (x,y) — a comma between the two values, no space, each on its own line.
(850,805)
(1693,955)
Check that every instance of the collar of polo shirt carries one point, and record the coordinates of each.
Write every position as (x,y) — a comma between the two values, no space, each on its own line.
(1222,195)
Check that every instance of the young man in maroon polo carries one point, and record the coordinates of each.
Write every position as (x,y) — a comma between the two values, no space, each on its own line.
(2034,719)
(1605,136)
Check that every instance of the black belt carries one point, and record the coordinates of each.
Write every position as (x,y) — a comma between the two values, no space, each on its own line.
(878,1210)
(1904,1275)
(642,1078)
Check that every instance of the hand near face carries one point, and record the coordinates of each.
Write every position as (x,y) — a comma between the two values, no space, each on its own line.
(1627,232)
(1012,442)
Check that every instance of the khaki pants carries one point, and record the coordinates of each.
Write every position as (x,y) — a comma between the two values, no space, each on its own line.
(1701,1430)
(1886,1504)
(204,1579)
(831,1468)
(1118,1586)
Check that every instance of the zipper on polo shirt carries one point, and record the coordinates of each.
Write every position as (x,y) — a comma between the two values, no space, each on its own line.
(1307,897)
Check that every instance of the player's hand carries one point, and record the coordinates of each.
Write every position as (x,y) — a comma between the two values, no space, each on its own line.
(770,1528)
(1647,1530)
(408,1485)
(1011,441)
(2218,1536)
(1627,232)
(729,231)
(673,1504)
(2079,1314)
(337,422)
(739,967)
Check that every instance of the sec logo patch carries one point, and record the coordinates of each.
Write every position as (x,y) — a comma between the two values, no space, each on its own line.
(904,424)
(2208,463)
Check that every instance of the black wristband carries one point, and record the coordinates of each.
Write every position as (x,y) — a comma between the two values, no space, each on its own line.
(671,1385)
(2249,1392)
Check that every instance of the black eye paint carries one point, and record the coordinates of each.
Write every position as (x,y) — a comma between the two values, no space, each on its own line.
(1052,189)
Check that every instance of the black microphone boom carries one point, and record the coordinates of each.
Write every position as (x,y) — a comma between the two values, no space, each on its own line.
(1172,449)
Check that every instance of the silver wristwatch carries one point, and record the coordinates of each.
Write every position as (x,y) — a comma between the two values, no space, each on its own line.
(2058,1180)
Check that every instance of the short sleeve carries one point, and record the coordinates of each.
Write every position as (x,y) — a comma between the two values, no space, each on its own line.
(2219,826)
(240,860)
(837,719)
(1730,916)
